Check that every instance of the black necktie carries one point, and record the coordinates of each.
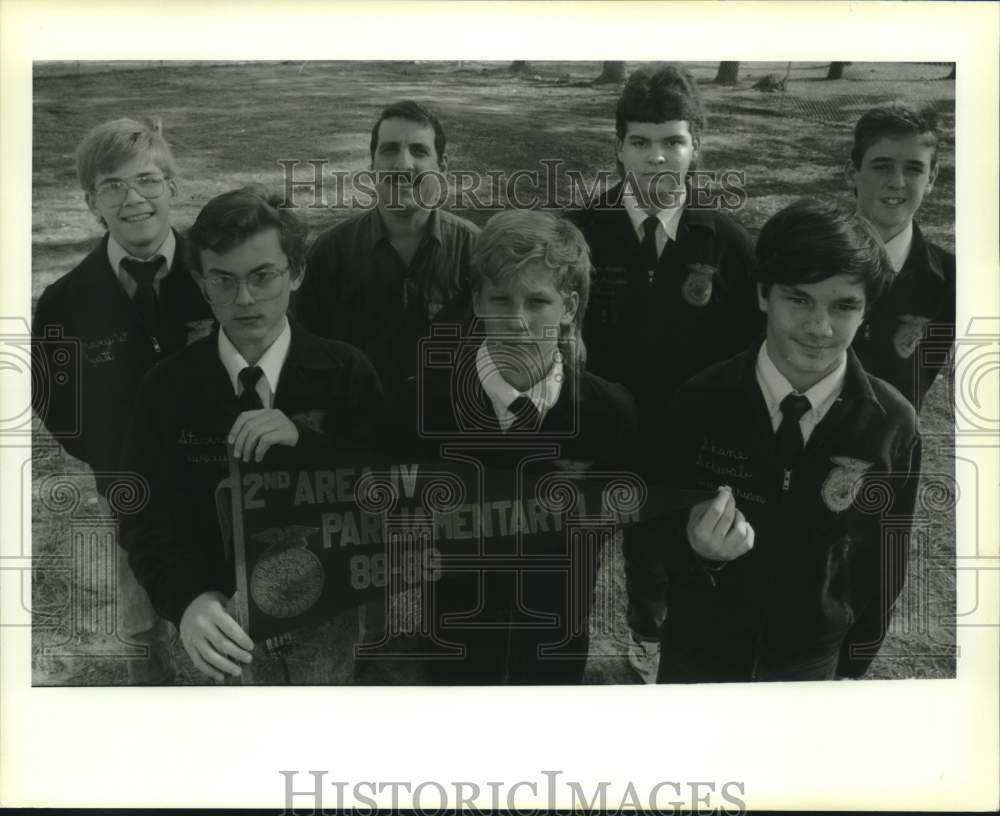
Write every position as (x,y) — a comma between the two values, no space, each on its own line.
(143,272)
(250,400)
(789,434)
(526,415)
(650,257)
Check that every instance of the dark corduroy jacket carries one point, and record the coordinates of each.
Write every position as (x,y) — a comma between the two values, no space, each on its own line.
(700,307)
(814,596)
(91,349)
(909,331)
(177,444)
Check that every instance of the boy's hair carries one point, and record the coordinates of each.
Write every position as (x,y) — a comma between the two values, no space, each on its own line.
(112,144)
(810,241)
(667,95)
(414,112)
(515,239)
(231,218)
(895,121)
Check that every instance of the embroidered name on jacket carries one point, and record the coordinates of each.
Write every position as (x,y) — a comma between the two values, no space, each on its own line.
(101,349)
(725,464)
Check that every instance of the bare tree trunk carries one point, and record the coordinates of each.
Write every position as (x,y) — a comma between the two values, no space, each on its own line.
(837,70)
(611,72)
(728,74)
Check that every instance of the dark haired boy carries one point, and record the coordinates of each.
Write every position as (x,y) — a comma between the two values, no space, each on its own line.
(671,281)
(257,381)
(792,570)
(909,332)
(129,303)
(379,279)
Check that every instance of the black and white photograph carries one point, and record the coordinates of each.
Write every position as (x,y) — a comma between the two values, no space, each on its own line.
(640,385)
(650,293)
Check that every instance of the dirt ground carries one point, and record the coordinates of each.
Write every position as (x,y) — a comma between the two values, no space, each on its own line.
(230,124)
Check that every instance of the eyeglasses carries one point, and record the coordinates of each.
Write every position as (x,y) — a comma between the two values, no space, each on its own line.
(114,193)
(263,284)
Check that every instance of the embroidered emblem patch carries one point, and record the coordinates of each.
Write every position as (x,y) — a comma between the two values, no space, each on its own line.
(288,578)
(843,482)
(908,334)
(314,420)
(697,286)
(572,467)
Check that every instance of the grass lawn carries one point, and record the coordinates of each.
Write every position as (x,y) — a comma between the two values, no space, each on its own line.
(231,123)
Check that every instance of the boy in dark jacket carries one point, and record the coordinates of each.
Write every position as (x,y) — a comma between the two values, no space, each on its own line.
(517,399)
(671,282)
(792,570)
(909,331)
(129,303)
(257,381)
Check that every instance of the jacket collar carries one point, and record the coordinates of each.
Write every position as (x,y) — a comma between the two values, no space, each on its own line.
(920,258)
(857,386)
(691,216)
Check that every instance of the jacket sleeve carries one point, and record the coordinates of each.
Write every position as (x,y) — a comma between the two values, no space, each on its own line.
(170,566)
(661,545)
(56,387)
(736,266)
(865,636)
(934,350)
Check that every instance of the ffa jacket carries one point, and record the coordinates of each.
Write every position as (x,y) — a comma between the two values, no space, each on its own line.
(178,446)
(910,329)
(699,308)
(91,349)
(814,595)
(529,609)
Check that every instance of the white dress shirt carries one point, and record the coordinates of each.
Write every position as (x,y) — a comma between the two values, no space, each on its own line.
(117,253)
(271,363)
(544,393)
(668,218)
(775,387)
(899,247)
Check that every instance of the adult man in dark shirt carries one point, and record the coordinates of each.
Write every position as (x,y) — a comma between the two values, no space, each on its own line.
(378,280)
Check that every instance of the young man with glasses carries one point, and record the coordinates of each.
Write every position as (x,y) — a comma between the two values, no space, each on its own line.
(258,380)
(128,304)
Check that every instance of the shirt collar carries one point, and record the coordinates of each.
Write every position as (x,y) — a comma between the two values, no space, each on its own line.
(117,253)
(776,387)
(669,218)
(898,248)
(432,227)
(271,363)
(544,393)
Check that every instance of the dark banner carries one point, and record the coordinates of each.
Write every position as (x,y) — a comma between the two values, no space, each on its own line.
(318,531)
